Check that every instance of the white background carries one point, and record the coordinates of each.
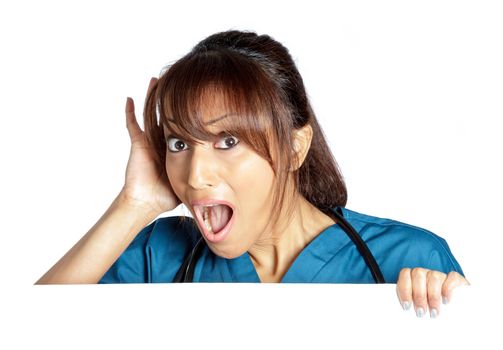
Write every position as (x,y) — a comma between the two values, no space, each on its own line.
(409,94)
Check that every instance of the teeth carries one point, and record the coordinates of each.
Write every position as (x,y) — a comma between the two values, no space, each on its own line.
(206,218)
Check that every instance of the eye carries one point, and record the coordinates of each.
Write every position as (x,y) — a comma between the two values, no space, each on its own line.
(175,145)
(229,142)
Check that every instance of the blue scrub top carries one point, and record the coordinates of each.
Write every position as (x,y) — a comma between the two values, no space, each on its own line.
(157,252)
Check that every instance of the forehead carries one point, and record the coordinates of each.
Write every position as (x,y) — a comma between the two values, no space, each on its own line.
(211,108)
(209,123)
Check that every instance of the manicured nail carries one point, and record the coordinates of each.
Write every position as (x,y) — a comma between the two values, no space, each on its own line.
(445,300)
(419,312)
(433,313)
(406,305)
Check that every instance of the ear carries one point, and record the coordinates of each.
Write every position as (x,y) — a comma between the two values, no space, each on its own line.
(301,143)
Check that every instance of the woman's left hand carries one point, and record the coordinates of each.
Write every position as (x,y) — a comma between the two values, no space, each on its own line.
(426,289)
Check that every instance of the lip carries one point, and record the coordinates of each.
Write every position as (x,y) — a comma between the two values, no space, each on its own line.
(222,234)
(208,201)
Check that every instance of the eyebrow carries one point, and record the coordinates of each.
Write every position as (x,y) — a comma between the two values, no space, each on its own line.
(208,123)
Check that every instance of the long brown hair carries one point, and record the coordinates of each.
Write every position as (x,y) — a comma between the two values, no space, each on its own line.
(259,82)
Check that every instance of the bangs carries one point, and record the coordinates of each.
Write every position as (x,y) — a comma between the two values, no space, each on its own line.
(197,83)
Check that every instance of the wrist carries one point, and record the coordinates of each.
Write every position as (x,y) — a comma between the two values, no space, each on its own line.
(126,203)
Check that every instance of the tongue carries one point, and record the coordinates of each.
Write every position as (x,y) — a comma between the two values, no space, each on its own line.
(219,216)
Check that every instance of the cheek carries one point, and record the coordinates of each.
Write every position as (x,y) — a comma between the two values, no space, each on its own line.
(252,181)
(175,176)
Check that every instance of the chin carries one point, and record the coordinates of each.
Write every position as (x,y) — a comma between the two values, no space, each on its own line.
(227,252)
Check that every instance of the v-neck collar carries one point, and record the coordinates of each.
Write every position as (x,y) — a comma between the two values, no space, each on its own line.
(306,265)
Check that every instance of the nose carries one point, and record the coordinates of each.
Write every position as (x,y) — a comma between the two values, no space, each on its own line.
(202,167)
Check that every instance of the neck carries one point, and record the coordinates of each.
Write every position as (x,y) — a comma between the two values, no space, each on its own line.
(273,254)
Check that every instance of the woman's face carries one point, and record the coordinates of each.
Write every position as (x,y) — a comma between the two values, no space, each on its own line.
(224,169)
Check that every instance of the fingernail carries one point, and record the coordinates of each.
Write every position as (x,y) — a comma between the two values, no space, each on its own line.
(420,312)
(406,305)
(433,313)
(445,300)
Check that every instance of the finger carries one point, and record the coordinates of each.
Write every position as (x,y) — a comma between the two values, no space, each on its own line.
(435,280)
(452,281)
(404,288)
(131,123)
(419,292)
(151,84)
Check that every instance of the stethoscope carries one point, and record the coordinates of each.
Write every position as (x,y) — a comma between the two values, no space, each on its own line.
(186,271)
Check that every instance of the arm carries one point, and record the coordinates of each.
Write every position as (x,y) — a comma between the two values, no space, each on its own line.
(89,259)
(145,194)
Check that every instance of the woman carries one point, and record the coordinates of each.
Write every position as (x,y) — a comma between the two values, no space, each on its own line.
(230,133)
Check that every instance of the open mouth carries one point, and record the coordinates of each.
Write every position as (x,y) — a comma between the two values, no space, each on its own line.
(215,220)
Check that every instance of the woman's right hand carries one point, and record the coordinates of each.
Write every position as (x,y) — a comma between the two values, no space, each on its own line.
(146,186)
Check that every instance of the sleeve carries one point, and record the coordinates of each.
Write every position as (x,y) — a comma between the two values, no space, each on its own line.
(132,264)
(405,246)
(441,258)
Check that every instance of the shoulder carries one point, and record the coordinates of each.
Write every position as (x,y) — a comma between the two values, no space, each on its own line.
(393,231)
(162,243)
(398,245)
